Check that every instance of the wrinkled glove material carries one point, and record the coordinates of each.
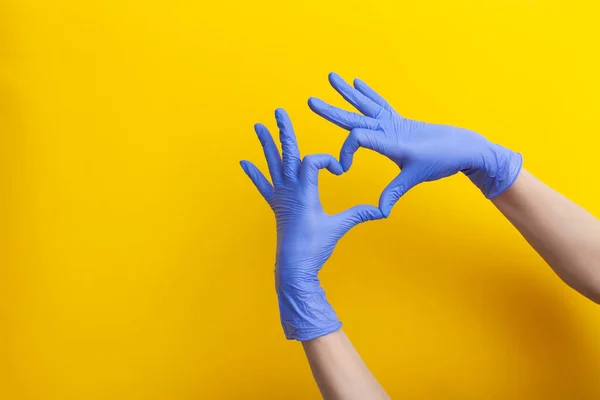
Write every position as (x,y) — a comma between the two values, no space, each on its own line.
(306,235)
(423,151)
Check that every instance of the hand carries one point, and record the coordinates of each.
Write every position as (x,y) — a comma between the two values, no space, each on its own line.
(424,152)
(306,235)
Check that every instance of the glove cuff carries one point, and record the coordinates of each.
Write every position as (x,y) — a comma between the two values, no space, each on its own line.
(501,167)
(305,312)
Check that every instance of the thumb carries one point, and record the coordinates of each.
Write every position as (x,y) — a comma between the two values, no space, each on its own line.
(356,139)
(396,189)
(359,214)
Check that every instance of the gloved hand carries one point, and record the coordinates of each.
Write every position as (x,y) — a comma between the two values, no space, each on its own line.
(424,152)
(306,235)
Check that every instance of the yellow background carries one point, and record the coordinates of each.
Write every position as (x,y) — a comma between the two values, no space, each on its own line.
(136,258)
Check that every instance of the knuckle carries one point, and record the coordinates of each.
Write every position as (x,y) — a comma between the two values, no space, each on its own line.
(380,112)
(353,140)
(309,160)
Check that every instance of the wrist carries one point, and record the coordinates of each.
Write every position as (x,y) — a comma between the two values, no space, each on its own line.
(497,171)
(304,310)
(513,195)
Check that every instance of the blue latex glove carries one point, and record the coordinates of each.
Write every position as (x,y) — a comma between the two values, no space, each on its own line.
(306,235)
(424,152)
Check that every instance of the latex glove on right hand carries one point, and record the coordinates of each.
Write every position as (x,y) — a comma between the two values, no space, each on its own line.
(424,152)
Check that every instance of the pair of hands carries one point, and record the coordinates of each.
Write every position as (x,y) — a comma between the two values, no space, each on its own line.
(306,235)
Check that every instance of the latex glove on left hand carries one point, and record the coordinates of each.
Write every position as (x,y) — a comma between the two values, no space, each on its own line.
(424,152)
(306,235)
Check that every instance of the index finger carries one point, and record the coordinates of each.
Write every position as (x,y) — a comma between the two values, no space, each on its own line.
(353,96)
(342,118)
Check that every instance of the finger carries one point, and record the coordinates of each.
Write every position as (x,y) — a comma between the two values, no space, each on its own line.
(289,145)
(342,118)
(360,138)
(359,214)
(361,102)
(371,94)
(396,189)
(259,180)
(271,154)
(311,164)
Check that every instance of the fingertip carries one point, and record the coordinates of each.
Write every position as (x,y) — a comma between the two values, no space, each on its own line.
(261,132)
(345,159)
(316,105)
(357,82)
(259,128)
(244,165)
(377,214)
(385,206)
(280,113)
(334,78)
(337,168)
(386,211)
(374,213)
(346,164)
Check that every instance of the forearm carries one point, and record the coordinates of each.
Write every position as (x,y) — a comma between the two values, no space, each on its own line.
(339,370)
(307,316)
(306,237)
(564,234)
